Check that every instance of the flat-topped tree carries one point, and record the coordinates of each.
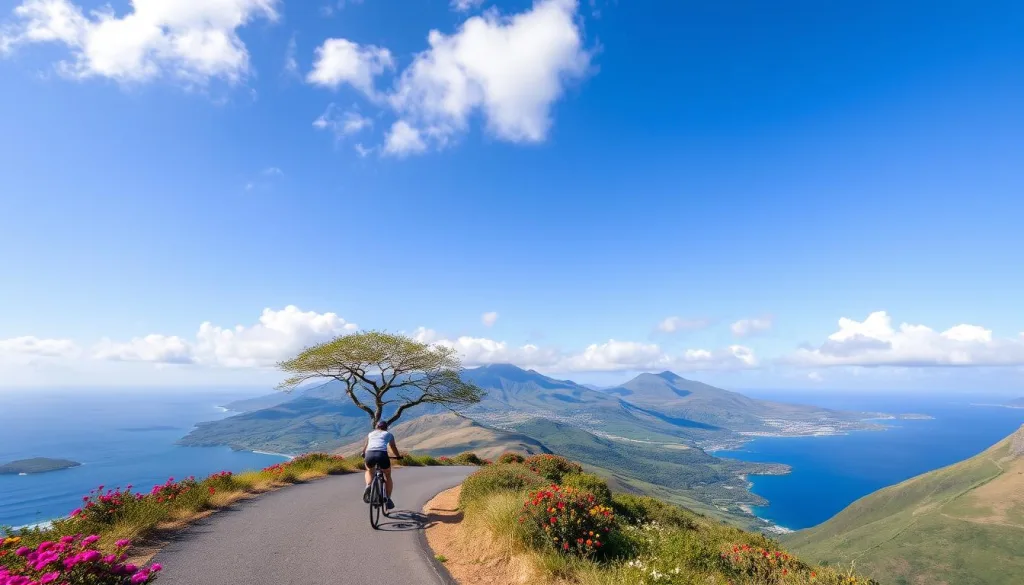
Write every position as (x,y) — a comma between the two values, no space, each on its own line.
(382,370)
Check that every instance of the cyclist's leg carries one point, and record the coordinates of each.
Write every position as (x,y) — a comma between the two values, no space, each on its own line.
(390,483)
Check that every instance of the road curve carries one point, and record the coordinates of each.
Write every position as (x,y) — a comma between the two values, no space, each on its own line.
(315,533)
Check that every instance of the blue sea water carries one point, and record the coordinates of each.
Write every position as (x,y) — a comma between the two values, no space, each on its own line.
(120,437)
(831,472)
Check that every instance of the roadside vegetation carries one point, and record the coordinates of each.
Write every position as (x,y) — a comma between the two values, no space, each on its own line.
(93,544)
(569,527)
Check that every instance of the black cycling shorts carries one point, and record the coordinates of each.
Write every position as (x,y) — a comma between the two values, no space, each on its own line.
(378,459)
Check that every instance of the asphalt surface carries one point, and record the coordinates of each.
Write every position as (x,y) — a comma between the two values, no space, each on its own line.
(315,533)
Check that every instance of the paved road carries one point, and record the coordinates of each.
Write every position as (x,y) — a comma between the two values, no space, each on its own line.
(313,534)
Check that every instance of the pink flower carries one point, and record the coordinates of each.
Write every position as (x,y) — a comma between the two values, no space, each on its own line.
(49,578)
(123,543)
(89,540)
(140,577)
(157,567)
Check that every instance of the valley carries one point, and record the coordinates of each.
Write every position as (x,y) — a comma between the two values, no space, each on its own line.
(649,435)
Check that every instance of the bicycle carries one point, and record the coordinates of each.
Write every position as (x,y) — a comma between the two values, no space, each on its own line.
(378,496)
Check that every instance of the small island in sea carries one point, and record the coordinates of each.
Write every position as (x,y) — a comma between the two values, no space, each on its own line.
(36,465)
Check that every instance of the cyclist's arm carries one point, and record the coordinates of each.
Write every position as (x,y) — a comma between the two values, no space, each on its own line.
(366,443)
(394,447)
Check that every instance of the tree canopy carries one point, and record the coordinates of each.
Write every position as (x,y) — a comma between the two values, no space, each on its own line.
(384,371)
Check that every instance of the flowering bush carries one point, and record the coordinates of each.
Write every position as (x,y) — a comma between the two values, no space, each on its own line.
(552,467)
(572,521)
(104,506)
(769,566)
(511,458)
(71,560)
(170,490)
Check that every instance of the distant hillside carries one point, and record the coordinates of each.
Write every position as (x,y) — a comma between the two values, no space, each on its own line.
(300,425)
(959,525)
(675,398)
(1016,403)
(450,434)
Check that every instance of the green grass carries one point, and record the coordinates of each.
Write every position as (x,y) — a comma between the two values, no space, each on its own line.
(652,542)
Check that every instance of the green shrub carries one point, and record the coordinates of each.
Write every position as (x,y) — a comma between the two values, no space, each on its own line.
(511,457)
(552,467)
(645,509)
(411,460)
(590,483)
(573,521)
(467,458)
(511,477)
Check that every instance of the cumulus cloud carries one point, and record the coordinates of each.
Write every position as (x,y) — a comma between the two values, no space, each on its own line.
(674,324)
(342,123)
(875,342)
(489,318)
(30,345)
(509,69)
(194,40)
(341,61)
(747,327)
(276,336)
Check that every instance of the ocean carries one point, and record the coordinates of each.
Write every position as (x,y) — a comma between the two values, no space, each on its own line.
(121,437)
(831,472)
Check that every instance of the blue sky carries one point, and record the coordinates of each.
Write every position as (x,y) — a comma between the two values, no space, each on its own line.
(586,171)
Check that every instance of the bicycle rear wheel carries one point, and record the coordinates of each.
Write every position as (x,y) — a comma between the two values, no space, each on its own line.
(376,503)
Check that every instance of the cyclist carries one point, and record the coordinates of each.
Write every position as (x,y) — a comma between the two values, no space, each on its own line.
(375,454)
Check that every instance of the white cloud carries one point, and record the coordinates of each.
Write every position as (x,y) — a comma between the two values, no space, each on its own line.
(465,5)
(403,139)
(193,40)
(489,318)
(340,61)
(874,342)
(511,69)
(476,351)
(278,335)
(30,345)
(747,327)
(674,324)
(815,377)
(151,348)
(631,356)
(342,123)
(363,151)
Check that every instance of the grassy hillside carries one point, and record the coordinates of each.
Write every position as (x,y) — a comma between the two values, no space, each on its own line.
(684,476)
(450,434)
(544,522)
(959,525)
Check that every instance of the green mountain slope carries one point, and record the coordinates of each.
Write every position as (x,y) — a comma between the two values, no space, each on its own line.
(959,525)
(682,475)
(450,434)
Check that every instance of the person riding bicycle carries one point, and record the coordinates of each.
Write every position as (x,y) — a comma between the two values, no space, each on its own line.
(375,454)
